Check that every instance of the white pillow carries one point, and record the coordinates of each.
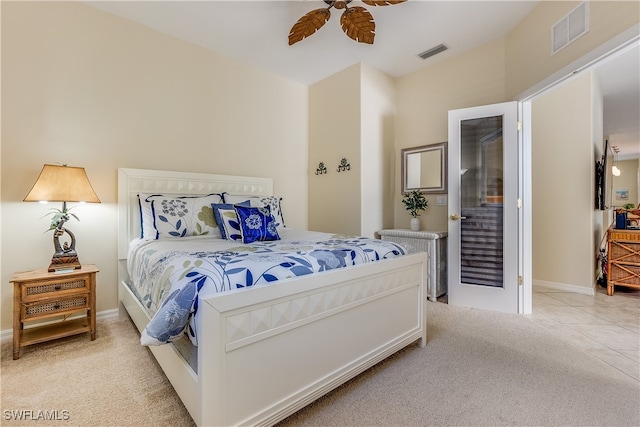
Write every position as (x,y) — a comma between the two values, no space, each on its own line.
(178,216)
(147,230)
(273,202)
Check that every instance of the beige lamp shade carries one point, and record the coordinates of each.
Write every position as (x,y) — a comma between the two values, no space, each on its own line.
(62,184)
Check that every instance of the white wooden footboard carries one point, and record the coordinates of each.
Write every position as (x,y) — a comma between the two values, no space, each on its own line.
(270,351)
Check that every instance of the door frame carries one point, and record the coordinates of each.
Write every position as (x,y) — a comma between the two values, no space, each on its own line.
(525,212)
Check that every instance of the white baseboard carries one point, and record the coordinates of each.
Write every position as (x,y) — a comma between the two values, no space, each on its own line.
(7,334)
(562,287)
(107,314)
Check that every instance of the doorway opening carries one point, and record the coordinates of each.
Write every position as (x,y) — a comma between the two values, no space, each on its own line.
(539,251)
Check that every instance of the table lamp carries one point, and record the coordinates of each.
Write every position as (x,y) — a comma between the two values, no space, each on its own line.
(62,184)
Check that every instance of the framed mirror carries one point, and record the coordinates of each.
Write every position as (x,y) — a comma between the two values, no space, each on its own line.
(424,168)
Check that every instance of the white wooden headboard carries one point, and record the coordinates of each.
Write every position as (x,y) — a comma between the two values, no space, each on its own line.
(134,181)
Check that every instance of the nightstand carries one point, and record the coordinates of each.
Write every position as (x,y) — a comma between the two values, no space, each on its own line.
(53,297)
(434,243)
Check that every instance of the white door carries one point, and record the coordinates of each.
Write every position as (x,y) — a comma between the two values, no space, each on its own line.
(483,207)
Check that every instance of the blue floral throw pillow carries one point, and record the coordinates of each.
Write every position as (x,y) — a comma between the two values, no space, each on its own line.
(227,220)
(256,224)
(273,202)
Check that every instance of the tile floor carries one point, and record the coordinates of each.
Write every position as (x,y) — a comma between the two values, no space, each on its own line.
(607,327)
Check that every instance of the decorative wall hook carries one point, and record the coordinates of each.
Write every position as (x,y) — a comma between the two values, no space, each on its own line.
(344,165)
(321,169)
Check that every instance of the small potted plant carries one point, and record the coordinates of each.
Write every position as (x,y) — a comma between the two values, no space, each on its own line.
(415,202)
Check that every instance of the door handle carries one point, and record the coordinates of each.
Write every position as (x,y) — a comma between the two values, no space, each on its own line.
(455,217)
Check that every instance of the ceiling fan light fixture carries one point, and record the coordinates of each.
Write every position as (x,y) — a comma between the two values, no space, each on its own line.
(433,51)
(340,4)
(356,21)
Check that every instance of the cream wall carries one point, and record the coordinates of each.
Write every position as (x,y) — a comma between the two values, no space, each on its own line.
(424,99)
(528,46)
(352,116)
(529,61)
(88,89)
(377,129)
(334,133)
(563,190)
(628,180)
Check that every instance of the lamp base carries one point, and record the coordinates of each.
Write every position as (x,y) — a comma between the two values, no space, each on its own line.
(65,256)
(65,262)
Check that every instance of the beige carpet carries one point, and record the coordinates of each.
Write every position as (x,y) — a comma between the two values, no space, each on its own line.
(112,381)
(479,368)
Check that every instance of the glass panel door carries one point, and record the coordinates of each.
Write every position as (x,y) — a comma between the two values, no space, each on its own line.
(483,214)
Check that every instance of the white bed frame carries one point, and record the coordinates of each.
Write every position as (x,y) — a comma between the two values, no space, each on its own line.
(270,351)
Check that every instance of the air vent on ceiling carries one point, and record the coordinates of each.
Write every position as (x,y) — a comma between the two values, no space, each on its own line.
(434,50)
(570,28)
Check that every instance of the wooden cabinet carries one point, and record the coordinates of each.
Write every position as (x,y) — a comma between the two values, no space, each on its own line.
(623,259)
(53,298)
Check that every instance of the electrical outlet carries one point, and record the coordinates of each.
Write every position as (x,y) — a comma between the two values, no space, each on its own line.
(441,200)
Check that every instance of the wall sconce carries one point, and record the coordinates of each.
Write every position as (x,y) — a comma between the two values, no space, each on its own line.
(344,165)
(62,184)
(322,169)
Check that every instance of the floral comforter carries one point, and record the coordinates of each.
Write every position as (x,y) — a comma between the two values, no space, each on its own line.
(168,275)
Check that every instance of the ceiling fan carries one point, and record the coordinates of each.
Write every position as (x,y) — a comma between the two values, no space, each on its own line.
(356,21)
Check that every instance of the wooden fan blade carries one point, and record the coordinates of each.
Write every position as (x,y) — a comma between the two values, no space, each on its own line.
(308,25)
(382,2)
(358,24)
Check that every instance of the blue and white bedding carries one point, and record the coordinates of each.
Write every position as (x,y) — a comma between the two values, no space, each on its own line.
(168,275)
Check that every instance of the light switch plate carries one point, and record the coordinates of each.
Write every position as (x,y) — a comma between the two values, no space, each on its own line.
(441,200)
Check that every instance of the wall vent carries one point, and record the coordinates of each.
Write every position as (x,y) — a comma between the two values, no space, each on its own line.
(570,28)
(434,50)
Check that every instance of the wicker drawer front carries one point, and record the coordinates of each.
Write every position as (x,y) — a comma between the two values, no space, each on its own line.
(625,252)
(53,307)
(619,235)
(625,274)
(57,286)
